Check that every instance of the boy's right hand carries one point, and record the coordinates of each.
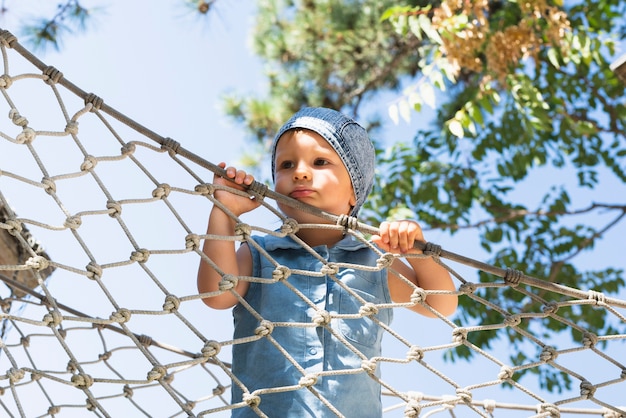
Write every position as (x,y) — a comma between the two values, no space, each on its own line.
(239,178)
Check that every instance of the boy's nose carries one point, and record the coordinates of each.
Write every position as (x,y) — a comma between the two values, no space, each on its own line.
(302,172)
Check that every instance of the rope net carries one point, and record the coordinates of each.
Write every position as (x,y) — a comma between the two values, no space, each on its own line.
(101,224)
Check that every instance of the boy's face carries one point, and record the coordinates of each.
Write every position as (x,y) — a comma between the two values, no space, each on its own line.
(309,170)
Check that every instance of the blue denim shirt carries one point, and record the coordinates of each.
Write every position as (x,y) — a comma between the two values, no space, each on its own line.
(260,364)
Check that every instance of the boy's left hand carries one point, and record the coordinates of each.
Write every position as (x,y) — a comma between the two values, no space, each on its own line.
(399,237)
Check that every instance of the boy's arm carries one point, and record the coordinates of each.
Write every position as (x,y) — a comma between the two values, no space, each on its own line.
(222,252)
(399,237)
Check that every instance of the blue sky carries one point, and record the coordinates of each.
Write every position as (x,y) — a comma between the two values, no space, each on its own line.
(166,69)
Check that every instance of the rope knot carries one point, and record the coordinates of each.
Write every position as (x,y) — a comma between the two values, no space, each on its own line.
(506,373)
(228,282)
(211,349)
(192,242)
(73,222)
(48,185)
(418,296)
(89,163)
(465,395)
(71,366)
(552,409)
(264,329)
(71,127)
(412,409)
(120,316)
(281,273)
(172,303)
(289,226)
(140,256)
(368,309)
(512,277)
(145,340)
(157,373)
(321,318)
(206,189)
(489,405)
(163,190)
(251,400)
(587,389)
(170,145)
(550,308)
(348,222)
(385,261)
(38,263)
(15,375)
(94,271)
(52,319)
(415,353)
(598,297)
(114,208)
(329,269)
(589,340)
(94,100)
(5,81)
(512,320)
(308,380)
(432,249)
(105,356)
(82,381)
(257,190)
(18,119)
(90,405)
(467,288)
(369,366)
(7,38)
(5,304)
(128,391)
(548,354)
(54,410)
(27,136)
(243,231)
(15,227)
(128,149)
(219,390)
(459,335)
(53,75)
(25,342)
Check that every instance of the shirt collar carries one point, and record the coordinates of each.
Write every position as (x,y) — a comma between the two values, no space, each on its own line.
(348,243)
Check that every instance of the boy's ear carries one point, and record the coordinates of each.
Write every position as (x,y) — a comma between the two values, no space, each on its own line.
(353,200)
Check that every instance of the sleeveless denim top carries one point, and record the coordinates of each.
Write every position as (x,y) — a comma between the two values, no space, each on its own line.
(260,364)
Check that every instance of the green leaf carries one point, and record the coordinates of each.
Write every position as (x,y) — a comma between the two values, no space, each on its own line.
(455,128)
(394,113)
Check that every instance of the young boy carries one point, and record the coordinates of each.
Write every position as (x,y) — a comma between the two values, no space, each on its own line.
(325,159)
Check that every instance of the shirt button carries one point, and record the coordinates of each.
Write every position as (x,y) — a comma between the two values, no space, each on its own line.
(312,351)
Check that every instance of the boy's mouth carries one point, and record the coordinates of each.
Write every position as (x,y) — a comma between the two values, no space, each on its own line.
(301,192)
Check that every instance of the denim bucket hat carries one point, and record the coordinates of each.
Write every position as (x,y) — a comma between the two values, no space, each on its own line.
(348,139)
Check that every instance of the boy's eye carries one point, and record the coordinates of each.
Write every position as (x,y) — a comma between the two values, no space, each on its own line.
(321,161)
(286,164)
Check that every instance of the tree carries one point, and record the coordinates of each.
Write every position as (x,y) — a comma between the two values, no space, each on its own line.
(526,87)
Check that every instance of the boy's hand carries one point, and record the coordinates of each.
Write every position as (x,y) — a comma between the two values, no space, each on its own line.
(239,179)
(399,237)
